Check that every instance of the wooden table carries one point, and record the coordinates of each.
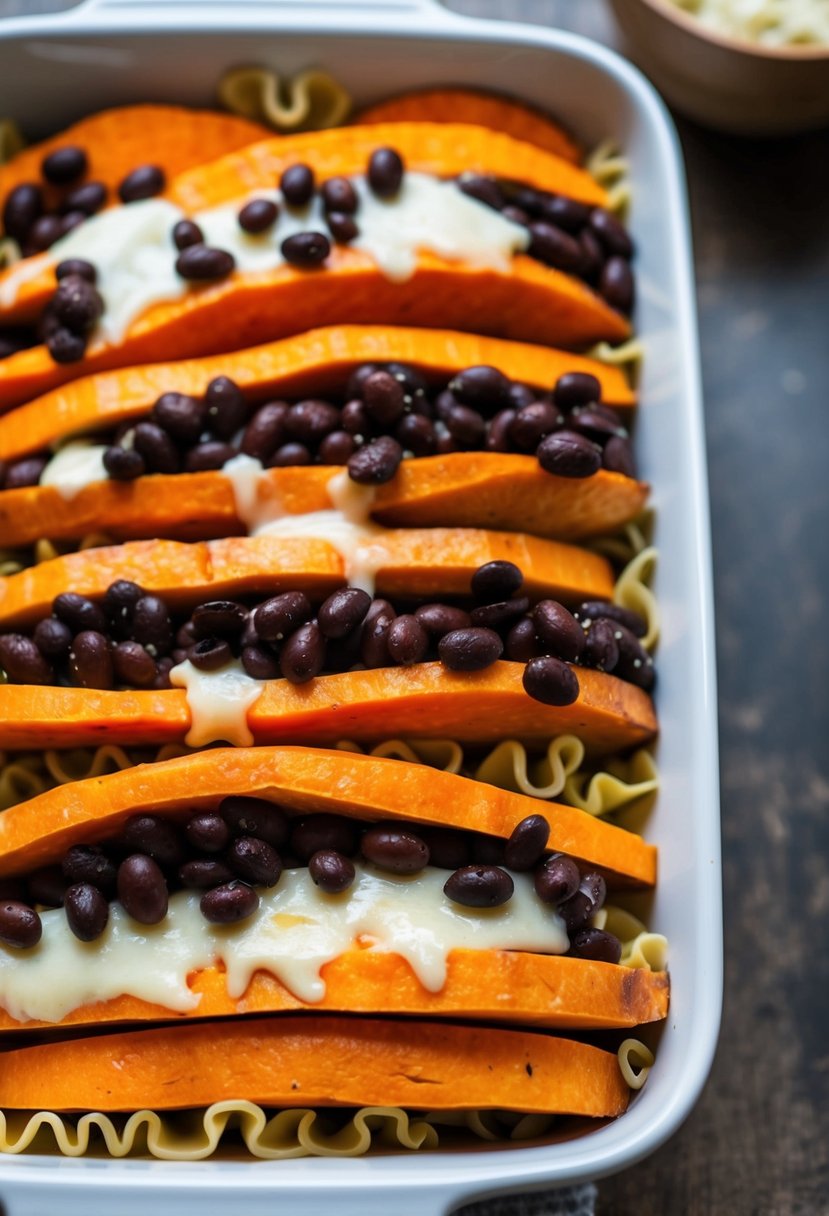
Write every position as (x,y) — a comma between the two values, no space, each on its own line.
(758,1142)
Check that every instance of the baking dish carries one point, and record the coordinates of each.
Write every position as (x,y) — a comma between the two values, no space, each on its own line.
(113,51)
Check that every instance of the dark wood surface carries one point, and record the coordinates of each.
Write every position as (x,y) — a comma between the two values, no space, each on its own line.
(758,1142)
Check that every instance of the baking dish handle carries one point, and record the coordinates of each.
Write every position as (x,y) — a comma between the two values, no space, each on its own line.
(364,8)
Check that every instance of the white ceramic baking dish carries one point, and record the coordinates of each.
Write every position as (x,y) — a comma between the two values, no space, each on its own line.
(55,69)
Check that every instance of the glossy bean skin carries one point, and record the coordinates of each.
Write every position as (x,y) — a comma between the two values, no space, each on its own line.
(576,388)
(78,612)
(331,871)
(407,640)
(470,649)
(551,681)
(155,837)
(385,172)
(384,398)
(297,184)
(281,615)
(203,264)
(90,661)
(591,609)
(376,463)
(230,903)
(494,581)
(440,619)
(303,655)
(255,861)
(601,648)
(568,454)
(142,889)
(20,925)
(219,618)
(133,665)
(323,832)
(595,944)
(90,865)
(181,416)
(343,611)
(557,879)
(255,817)
(144,182)
(87,911)
(210,654)
(208,832)
(558,630)
(204,873)
(258,215)
(22,661)
(398,850)
(526,844)
(479,886)
(227,409)
(306,249)
(484,388)
(501,615)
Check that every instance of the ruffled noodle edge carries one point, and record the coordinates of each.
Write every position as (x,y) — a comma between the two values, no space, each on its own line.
(309,101)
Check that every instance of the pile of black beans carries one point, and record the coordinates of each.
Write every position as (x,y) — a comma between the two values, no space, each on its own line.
(247,842)
(581,240)
(389,413)
(132,639)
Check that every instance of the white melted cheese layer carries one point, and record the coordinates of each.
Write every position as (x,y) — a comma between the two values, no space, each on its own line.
(295,932)
(74,467)
(218,701)
(133,251)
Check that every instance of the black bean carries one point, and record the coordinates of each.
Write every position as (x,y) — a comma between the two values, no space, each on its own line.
(306,249)
(529,199)
(260,662)
(486,850)
(354,419)
(157,448)
(398,850)
(526,843)
(78,612)
(52,638)
(407,640)
(355,382)
(483,388)
(330,871)
(90,661)
(144,182)
(521,643)
(163,667)
(202,874)
(337,448)
(374,637)
(254,860)
(617,456)
(479,886)
(302,656)
(611,233)
(203,264)
(414,384)
(22,661)
(208,455)
(20,925)
(521,395)
(46,886)
(181,416)
(567,454)
(470,649)
(416,434)
(219,619)
(120,599)
(384,398)
(310,421)
(289,455)
(87,863)
(593,256)
(466,426)
(151,625)
(566,213)
(227,410)
(124,464)
(385,172)
(256,817)
(532,424)
(550,681)
(210,654)
(485,189)
(323,832)
(65,346)
(207,831)
(590,609)
(87,911)
(440,619)
(500,616)
(595,944)
(596,421)
(635,664)
(338,194)
(601,650)
(77,267)
(258,215)
(13,888)
(448,848)
(342,227)
(77,304)
(142,889)
(65,165)
(266,430)
(133,665)
(297,185)
(279,616)
(72,221)
(89,198)
(44,232)
(343,611)
(496,580)
(558,630)
(154,836)
(556,879)
(229,903)
(517,214)
(23,206)
(616,284)
(376,463)
(554,247)
(579,908)
(187,233)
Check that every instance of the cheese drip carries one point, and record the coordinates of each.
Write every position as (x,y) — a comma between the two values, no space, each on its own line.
(296,931)
(218,701)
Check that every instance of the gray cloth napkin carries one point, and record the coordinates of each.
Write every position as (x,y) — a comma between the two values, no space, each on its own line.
(571,1201)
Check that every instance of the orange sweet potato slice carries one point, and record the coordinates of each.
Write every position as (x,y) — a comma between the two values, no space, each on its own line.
(301,780)
(424,702)
(315,362)
(119,140)
(316,1061)
(527,302)
(429,562)
(504,114)
(550,991)
(457,490)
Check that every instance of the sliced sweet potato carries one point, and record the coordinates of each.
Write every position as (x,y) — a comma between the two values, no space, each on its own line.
(551,991)
(119,140)
(38,832)
(419,562)
(503,114)
(457,490)
(316,1061)
(315,362)
(527,302)
(423,702)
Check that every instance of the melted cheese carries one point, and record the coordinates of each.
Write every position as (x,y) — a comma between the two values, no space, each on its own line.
(218,701)
(74,467)
(295,932)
